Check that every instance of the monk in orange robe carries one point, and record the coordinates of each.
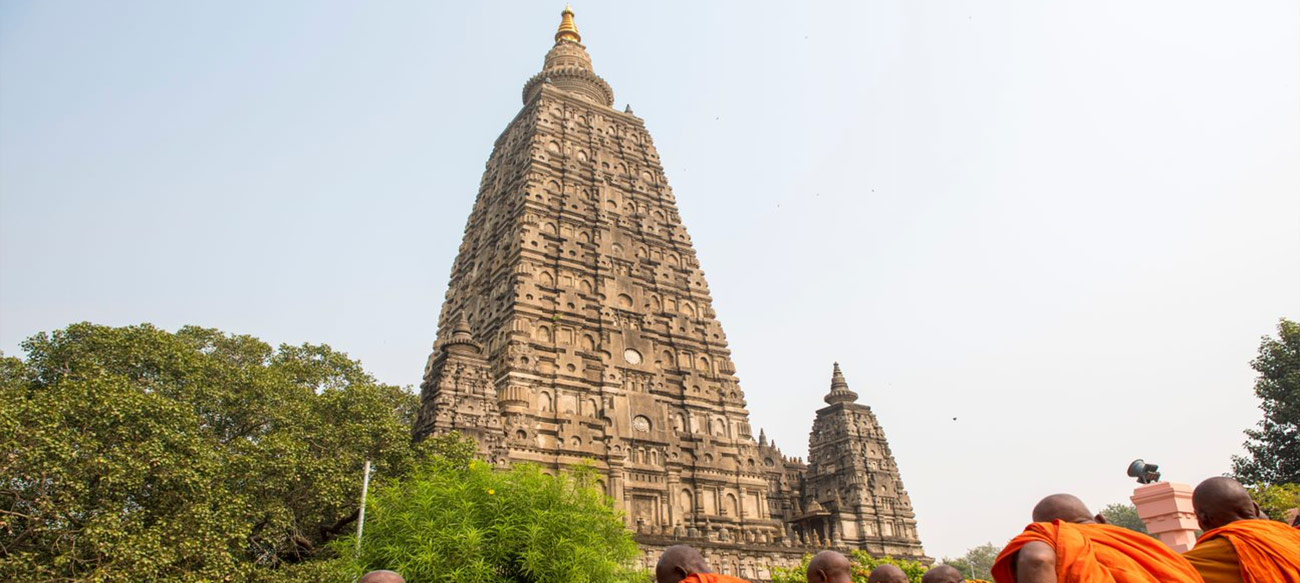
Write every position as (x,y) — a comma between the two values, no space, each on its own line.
(1240,544)
(683,564)
(1066,544)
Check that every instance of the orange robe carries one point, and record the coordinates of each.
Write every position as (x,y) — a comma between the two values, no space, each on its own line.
(1216,560)
(1250,551)
(1099,553)
(712,578)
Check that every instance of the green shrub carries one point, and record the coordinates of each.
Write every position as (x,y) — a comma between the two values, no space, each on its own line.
(1276,499)
(465,522)
(978,561)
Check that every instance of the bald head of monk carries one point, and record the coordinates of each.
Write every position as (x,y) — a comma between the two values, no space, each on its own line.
(1067,508)
(381,577)
(830,567)
(679,562)
(943,574)
(1219,501)
(888,573)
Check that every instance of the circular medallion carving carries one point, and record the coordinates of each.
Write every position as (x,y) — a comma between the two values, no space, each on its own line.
(641,423)
(632,356)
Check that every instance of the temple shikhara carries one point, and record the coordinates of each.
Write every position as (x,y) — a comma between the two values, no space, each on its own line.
(578,328)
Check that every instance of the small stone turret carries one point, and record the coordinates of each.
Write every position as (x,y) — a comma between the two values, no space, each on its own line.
(840,392)
(458,383)
(462,339)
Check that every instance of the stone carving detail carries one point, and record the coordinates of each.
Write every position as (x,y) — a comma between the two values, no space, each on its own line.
(641,423)
(578,328)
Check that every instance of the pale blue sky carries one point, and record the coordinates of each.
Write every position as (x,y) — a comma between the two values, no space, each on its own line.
(1065,224)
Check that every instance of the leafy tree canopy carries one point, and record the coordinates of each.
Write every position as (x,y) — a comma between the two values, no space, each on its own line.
(458,520)
(1276,499)
(977,563)
(1274,448)
(863,564)
(136,454)
(1125,515)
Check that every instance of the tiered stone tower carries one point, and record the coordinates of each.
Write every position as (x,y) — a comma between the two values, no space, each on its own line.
(854,492)
(578,327)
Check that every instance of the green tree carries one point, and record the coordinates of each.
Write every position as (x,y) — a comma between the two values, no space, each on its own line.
(1276,499)
(464,522)
(1274,448)
(135,454)
(863,564)
(1125,515)
(977,563)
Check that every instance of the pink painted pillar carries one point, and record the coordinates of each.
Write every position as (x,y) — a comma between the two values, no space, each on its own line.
(1166,507)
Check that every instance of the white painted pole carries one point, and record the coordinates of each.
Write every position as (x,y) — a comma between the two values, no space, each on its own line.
(361,518)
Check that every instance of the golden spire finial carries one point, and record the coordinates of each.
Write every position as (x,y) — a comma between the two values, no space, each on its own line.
(568,30)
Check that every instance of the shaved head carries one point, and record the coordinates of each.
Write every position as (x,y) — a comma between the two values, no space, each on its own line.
(381,577)
(1219,501)
(888,574)
(1064,507)
(830,567)
(943,574)
(679,562)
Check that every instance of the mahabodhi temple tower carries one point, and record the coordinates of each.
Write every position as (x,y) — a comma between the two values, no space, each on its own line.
(578,328)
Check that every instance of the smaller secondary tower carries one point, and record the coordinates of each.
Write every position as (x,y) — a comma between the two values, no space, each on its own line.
(853,494)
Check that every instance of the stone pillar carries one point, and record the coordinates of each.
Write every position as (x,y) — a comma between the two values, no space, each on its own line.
(673,485)
(616,483)
(1166,508)
(664,518)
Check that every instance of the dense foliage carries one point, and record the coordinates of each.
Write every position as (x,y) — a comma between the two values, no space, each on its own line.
(863,564)
(458,520)
(135,454)
(977,563)
(1274,448)
(1125,515)
(1276,499)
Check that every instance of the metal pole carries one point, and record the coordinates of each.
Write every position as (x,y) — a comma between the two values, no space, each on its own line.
(361,518)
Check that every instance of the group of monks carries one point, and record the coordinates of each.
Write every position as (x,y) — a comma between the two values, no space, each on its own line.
(1068,544)
(683,564)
